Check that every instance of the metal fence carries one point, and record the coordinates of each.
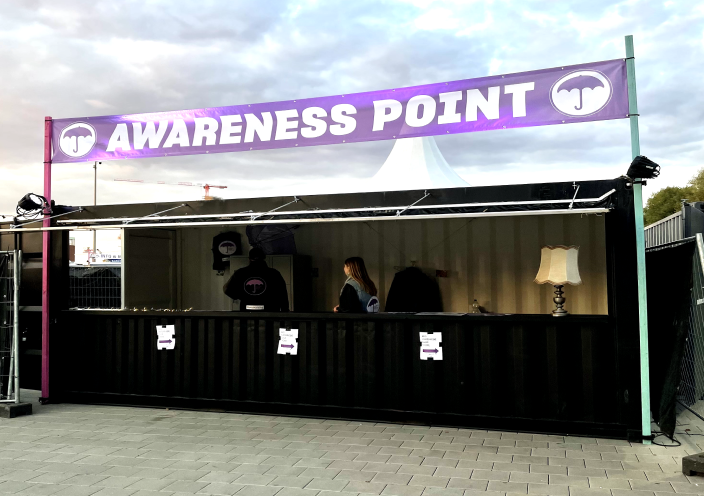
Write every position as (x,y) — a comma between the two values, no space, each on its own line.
(95,287)
(691,389)
(664,231)
(10,273)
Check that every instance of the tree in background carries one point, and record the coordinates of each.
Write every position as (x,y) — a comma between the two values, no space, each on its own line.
(668,200)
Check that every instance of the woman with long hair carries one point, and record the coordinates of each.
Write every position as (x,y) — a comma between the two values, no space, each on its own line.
(359,293)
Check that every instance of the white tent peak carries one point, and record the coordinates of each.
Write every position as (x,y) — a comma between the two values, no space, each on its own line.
(416,163)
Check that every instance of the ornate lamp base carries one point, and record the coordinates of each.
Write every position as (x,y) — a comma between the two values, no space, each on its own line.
(559,302)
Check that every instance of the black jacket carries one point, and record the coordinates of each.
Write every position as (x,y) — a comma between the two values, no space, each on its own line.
(349,301)
(413,291)
(258,287)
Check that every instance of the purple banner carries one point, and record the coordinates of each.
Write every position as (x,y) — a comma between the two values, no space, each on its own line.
(579,93)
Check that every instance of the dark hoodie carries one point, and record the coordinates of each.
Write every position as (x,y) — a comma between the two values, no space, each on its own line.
(258,287)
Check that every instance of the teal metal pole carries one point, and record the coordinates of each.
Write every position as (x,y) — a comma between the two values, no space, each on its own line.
(640,244)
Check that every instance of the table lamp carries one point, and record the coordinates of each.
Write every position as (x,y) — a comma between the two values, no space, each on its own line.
(558,266)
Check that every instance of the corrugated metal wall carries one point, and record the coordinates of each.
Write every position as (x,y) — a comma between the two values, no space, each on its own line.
(524,373)
(493,260)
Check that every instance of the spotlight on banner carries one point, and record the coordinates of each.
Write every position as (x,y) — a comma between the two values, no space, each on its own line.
(643,168)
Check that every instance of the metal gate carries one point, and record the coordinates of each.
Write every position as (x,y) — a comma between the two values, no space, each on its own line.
(691,389)
(10,273)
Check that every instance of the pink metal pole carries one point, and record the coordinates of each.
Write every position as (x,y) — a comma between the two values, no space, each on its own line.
(46,262)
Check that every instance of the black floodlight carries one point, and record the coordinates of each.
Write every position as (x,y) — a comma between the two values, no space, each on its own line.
(643,168)
(31,205)
(28,202)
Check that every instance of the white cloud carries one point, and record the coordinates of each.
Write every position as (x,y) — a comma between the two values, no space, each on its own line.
(99,105)
(494,66)
(478,28)
(437,18)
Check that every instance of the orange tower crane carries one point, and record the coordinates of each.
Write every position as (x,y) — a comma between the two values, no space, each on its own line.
(206,187)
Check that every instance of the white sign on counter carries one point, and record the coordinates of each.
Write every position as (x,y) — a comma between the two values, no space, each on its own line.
(165,337)
(430,345)
(287,342)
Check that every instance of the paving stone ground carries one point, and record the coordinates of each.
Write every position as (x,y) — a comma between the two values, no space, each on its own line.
(82,450)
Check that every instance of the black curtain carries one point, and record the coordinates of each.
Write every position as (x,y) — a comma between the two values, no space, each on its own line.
(669,281)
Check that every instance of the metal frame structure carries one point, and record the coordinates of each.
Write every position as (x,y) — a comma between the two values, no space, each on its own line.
(640,243)
(13,390)
(46,261)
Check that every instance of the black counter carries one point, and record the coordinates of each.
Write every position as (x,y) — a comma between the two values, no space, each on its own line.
(511,372)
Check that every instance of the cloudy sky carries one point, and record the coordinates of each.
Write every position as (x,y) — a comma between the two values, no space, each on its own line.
(68,58)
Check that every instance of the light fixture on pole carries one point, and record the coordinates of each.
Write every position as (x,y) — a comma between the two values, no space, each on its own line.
(643,168)
(32,205)
(558,266)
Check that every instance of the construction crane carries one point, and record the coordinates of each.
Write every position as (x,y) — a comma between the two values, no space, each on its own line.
(206,187)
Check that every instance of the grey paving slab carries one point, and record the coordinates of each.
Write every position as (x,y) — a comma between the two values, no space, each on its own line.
(185,486)
(319,473)
(586,491)
(117,481)
(221,488)
(465,473)
(365,487)
(255,479)
(38,489)
(491,475)
(259,490)
(438,491)
(569,480)
(428,481)
(77,490)
(355,475)
(285,470)
(291,491)
(548,489)
(114,491)
(475,464)
(512,487)
(530,477)
(327,484)
(511,467)
(394,490)
(392,478)
(461,483)
(416,470)
(291,481)
(470,492)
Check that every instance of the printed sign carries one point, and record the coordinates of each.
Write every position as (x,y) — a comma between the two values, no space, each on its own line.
(165,337)
(227,248)
(561,95)
(430,345)
(287,342)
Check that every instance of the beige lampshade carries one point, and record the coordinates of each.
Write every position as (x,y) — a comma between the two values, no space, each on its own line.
(558,266)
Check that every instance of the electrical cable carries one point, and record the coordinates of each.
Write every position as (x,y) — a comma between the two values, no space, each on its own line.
(657,434)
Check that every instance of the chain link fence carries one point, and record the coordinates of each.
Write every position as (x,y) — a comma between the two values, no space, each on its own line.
(10,267)
(95,287)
